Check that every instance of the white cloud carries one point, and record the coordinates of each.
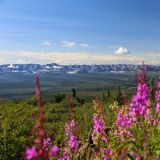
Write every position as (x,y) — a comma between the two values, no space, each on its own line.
(121,51)
(68,44)
(47,43)
(84,45)
(72,44)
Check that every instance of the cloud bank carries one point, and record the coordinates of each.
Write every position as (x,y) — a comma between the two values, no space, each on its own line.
(78,58)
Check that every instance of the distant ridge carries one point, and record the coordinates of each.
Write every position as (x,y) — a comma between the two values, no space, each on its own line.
(76,68)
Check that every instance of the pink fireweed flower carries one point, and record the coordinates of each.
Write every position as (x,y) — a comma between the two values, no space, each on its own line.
(54,151)
(38,129)
(123,133)
(106,153)
(158,108)
(98,128)
(138,157)
(47,142)
(140,102)
(72,140)
(98,134)
(158,98)
(67,129)
(73,124)
(71,146)
(124,123)
(31,153)
(65,156)
(98,124)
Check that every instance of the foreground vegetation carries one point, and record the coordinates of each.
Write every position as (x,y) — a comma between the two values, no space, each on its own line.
(111,127)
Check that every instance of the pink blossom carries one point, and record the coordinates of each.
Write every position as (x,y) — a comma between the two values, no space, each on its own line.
(70,131)
(138,157)
(47,142)
(106,153)
(123,121)
(54,151)
(98,124)
(139,103)
(73,142)
(64,157)
(158,108)
(158,98)
(98,128)
(31,153)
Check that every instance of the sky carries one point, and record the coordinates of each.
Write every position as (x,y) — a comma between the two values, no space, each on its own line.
(80,31)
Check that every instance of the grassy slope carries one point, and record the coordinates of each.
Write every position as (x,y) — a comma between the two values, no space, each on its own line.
(16,121)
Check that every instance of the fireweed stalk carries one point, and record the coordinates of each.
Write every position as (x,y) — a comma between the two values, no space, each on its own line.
(137,115)
(123,124)
(42,147)
(102,149)
(123,129)
(71,145)
(140,112)
(158,98)
(139,105)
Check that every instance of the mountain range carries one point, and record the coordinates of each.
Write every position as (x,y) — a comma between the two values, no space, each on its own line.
(72,69)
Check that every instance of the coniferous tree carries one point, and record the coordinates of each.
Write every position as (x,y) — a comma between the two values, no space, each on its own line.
(74,93)
(108,93)
(119,97)
(152,89)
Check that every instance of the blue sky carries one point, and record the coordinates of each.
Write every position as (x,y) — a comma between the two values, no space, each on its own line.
(80,31)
